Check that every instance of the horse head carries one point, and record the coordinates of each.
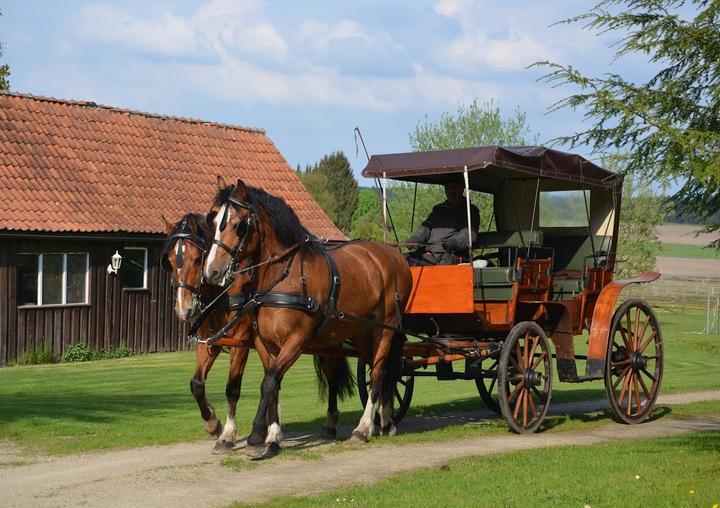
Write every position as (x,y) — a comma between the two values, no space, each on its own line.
(232,222)
(183,255)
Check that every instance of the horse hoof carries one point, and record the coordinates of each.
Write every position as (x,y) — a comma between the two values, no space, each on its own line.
(359,437)
(389,430)
(223,447)
(260,452)
(255,452)
(216,433)
(328,433)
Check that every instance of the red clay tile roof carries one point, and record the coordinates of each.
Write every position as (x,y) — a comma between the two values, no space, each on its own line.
(69,166)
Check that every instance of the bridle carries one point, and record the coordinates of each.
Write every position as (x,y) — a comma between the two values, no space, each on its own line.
(182,236)
(242,230)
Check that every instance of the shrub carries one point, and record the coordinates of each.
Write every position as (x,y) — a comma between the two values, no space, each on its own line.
(117,352)
(80,353)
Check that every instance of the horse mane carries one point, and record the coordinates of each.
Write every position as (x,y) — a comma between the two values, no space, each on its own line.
(283,219)
(196,224)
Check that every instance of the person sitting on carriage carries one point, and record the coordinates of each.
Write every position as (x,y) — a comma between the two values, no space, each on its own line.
(442,238)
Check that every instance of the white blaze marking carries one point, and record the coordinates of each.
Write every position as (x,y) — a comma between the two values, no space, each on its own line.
(214,247)
(180,310)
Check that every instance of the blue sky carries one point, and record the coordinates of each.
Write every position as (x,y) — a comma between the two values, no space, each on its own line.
(307,72)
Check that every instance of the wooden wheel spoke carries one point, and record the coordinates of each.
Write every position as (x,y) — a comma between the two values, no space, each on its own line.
(533,409)
(526,393)
(518,403)
(631,338)
(520,356)
(645,344)
(644,387)
(541,396)
(621,363)
(644,328)
(620,377)
(637,393)
(629,393)
(403,382)
(531,352)
(398,397)
(653,357)
(514,362)
(512,396)
(539,359)
(492,384)
(637,327)
(626,380)
(623,333)
(649,375)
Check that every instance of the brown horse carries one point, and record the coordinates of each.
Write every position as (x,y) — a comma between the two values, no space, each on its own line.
(301,306)
(183,255)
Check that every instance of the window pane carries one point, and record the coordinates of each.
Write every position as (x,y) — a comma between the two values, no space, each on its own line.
(76,278)
(27,279)
(52,267)
(132,269)
(563,209)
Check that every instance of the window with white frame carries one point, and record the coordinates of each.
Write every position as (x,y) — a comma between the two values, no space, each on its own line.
(52,278)
(134,268)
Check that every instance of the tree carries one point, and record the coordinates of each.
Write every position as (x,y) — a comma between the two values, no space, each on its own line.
(670,124)
(332,184)
(367,219)
(4,72)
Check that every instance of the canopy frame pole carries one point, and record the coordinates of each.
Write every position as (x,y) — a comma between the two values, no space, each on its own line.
(412,219)
(467,202)
(532,219)
(384,206)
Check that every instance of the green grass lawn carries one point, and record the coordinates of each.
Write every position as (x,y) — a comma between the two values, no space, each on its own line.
(674,471)
(677,250)
(146,400)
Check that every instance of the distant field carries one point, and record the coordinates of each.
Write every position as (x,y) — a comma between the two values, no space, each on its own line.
(673,250)
(684,234)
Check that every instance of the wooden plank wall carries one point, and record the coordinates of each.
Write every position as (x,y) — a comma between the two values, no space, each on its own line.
(141,319)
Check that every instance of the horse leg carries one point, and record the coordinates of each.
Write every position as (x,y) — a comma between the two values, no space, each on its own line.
(264,441)
(392,372)
(380,386)
(238,360)
(329,368)
(205,357)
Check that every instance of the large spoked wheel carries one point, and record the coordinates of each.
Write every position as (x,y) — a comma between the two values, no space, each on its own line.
(634,363)
(403,391)
(486,384)
(525,377)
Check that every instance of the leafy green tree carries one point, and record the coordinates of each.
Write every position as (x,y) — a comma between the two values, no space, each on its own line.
(4,72)
(342,185)
(316,184)
(332,184)
(670,124)
(367,219)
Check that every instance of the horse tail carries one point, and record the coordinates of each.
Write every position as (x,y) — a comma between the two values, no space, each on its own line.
(343,380)
(393,366)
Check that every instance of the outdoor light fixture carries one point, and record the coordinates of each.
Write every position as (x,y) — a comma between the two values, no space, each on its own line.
(115,262)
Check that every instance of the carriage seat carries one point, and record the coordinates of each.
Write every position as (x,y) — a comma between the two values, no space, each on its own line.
(508,239)
(493,283)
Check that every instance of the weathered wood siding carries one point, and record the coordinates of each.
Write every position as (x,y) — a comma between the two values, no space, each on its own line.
(141,319)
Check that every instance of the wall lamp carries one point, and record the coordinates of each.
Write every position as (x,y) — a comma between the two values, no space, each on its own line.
(115,262)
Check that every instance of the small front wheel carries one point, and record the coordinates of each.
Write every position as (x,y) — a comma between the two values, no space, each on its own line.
(486,384)
(525,377)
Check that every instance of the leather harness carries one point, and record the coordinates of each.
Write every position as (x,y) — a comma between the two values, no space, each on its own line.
(251,300)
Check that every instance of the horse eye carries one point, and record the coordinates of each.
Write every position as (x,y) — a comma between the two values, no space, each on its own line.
(197,261)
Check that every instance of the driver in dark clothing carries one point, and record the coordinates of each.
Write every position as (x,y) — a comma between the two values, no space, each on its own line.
(442,238)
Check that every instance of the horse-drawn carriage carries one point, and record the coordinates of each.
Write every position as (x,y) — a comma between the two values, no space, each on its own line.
(541,279)
(487,319)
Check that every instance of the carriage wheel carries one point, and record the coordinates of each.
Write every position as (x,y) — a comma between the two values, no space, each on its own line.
(403,391)
(487,386)
(634,362)
(525,377)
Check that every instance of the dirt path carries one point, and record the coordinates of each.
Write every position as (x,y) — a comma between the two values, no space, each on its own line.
(188,475)
(682,233)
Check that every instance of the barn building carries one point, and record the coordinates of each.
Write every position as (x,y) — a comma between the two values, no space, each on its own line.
(80,181)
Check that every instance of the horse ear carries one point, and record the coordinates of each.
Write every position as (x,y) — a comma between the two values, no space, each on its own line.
(221,182)
(240,188)
(168,225)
